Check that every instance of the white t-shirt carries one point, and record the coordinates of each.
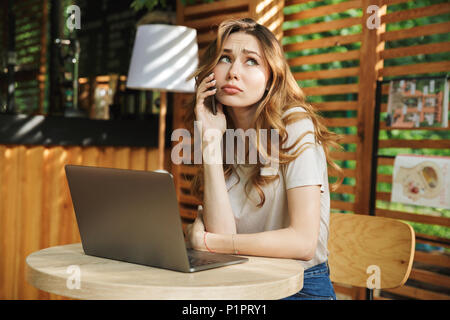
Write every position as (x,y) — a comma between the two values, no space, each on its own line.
(310,168)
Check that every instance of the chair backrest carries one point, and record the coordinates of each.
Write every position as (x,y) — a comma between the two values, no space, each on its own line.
(362,246)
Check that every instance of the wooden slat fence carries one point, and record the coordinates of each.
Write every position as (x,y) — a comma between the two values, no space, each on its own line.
(205,18)
(333,90)
(429,278)
(375,55)
(344,93)
(36,209)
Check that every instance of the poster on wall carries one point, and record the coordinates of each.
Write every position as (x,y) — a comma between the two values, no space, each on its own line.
(421,180)
(418,103)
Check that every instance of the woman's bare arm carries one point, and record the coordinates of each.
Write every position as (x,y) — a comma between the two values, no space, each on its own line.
(298,241)
(217,212)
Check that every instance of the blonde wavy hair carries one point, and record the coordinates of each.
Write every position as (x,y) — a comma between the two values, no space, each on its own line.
(282,95)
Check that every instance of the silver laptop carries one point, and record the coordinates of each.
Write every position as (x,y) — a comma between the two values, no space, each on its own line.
(133,216)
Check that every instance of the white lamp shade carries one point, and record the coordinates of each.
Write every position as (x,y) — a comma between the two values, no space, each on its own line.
(163,58)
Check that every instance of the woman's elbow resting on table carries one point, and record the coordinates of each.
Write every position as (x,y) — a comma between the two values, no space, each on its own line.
(308,254)
(305,248)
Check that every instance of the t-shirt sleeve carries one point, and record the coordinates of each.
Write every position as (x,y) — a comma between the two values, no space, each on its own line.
(309,167)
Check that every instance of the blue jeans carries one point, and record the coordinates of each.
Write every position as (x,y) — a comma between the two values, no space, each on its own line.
(316,284)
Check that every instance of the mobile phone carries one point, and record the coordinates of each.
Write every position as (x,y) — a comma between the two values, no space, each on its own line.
(213,102)
(214,105)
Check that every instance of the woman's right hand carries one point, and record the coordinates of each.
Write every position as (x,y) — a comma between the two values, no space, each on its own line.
(204,115)
(195,233)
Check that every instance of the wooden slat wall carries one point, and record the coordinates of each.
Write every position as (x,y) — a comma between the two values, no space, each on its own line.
(182,173)
(36,209)
(379,61)
(327,50)
(205,18)
(429,277)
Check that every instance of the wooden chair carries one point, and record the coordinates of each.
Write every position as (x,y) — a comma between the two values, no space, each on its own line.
(363,247)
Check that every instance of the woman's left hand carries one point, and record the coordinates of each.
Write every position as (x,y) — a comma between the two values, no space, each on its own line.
(195,233)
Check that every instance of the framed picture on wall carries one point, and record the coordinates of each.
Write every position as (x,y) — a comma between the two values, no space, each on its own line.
(422,180)
(418,103)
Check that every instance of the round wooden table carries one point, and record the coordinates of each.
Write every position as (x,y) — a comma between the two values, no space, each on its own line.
(67,271)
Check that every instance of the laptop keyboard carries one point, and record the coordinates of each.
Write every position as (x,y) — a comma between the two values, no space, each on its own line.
(196,261)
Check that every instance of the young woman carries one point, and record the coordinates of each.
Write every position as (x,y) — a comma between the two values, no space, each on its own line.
(247,209)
